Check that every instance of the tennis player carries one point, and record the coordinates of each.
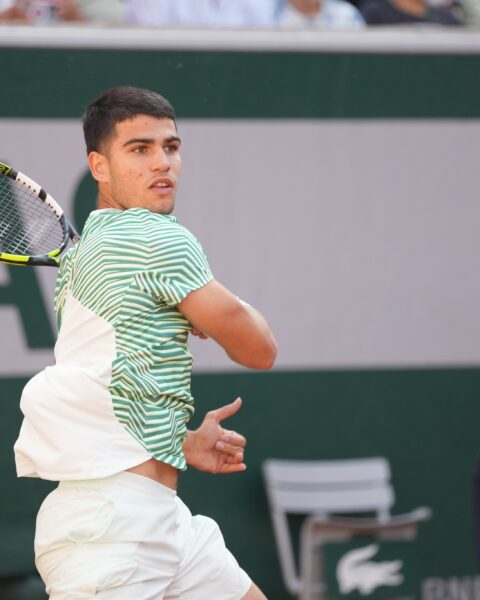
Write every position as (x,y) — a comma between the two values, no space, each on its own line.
(109,419)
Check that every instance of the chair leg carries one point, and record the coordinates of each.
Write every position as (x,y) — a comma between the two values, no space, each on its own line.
(311,587)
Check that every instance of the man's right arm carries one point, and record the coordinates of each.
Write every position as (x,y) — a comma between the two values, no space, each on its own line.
(239,328)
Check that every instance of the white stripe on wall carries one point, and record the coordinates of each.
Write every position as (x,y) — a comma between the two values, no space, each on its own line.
(359,240)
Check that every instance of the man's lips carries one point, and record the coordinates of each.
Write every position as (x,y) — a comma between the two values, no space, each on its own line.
(162,183)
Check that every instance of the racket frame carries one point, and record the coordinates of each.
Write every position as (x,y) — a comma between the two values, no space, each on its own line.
(51,259)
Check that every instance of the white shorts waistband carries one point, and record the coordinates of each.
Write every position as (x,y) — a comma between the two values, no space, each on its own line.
(128,481)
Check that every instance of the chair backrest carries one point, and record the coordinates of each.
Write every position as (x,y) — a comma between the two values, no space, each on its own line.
(335,486)
(323,487)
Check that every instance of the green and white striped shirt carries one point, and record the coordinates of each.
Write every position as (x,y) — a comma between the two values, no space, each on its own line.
(121,341)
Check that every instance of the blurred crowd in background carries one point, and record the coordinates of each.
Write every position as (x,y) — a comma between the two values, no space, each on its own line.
(265,14)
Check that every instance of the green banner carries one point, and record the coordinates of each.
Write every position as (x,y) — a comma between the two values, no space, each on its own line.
(267,85)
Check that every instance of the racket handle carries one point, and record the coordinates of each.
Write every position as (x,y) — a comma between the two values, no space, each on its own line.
(44,261)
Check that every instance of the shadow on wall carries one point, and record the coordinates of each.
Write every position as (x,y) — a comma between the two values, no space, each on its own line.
(30,587)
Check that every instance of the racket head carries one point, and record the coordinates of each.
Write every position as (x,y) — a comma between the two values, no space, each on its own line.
(33,228)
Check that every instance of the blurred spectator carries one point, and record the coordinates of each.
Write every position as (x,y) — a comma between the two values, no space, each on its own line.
(319,14)
(472,12)
(397,12)
(34,11)
(11,11)
(201,13)
(453,6)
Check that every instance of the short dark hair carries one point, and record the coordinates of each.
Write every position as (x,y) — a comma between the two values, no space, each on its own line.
(119,104)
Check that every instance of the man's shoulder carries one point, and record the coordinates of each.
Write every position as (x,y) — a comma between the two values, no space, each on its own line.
(133,222)
(161,230)
(151,237)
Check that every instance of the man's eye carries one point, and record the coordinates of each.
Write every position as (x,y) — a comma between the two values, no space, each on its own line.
(140,149)
(171,148)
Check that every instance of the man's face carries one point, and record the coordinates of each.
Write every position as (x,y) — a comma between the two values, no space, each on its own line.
(140,165)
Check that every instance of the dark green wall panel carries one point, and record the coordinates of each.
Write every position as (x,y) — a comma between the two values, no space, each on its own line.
(424,421)
(59,83)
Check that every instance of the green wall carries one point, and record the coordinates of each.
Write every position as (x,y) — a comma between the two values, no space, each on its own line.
(58,84)
(424,421)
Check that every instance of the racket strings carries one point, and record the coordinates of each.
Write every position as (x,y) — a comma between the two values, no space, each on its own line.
(27,226)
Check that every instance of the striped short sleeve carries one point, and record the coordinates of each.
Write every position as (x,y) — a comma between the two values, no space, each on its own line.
(177,267)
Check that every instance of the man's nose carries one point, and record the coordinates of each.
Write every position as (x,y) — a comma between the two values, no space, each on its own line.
(160,161)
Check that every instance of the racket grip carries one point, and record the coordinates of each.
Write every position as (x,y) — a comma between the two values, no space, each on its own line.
(44,261)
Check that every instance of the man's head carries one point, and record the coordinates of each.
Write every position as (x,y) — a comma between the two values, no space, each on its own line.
(133,149)
(120,104)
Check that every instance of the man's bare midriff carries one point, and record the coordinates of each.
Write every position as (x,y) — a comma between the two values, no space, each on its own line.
(158,471)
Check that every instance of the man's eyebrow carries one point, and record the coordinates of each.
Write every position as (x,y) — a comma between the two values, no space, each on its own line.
(138,141)
(167,140)
(172,138)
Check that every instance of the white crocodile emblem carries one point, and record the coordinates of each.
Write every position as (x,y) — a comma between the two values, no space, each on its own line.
(354,570)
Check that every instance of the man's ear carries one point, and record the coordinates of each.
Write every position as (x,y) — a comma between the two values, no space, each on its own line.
(99,167)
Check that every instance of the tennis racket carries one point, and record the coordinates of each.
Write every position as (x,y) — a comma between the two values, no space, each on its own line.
(33,228)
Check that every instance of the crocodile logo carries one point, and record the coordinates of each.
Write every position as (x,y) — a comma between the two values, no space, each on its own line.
(356,571)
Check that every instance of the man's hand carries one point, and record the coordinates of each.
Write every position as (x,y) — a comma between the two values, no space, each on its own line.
(214,449)
(196,332)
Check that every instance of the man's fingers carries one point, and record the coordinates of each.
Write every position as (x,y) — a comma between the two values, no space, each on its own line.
(232,468)
(226,411)
(229,449)
(198,333)
(233,438)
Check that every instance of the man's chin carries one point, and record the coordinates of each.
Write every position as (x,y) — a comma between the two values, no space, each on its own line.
(161,208)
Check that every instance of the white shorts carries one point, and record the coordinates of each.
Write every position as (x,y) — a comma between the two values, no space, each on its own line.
(128,537)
